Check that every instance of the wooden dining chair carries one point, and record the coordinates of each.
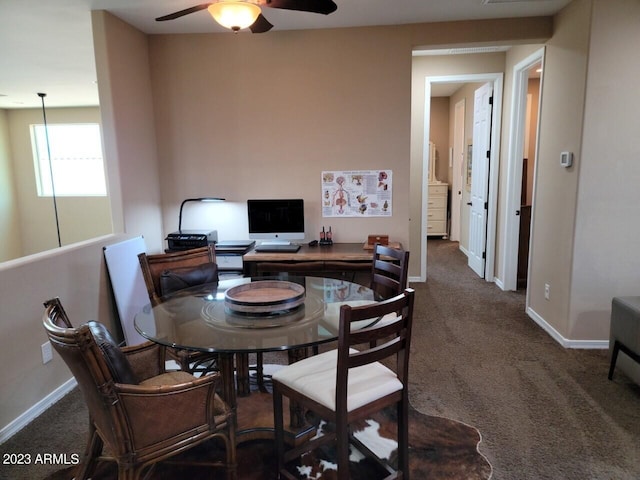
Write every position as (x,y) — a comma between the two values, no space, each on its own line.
(139,412)
(166,273)
(345,385)
(389,270)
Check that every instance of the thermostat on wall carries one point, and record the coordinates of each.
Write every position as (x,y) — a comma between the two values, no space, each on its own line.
(566,159)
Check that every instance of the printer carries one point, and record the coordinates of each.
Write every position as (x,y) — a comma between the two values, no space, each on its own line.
(188,239)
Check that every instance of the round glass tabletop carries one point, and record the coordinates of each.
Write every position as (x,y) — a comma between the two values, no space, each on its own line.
(200,319)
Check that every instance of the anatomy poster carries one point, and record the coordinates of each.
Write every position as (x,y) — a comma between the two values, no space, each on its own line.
(357,193)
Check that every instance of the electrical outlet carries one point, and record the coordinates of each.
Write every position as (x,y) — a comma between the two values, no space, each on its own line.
(547,291)
(47,352)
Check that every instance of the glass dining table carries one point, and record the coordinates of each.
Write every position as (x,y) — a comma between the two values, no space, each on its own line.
(219,318)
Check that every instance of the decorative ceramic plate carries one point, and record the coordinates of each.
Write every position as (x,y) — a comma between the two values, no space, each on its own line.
(264,297)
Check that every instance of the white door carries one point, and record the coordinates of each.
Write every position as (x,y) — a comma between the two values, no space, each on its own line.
(457,173)
(480,177)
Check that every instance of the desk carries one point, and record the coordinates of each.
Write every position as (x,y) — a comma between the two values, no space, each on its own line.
(196,319)
(340,260)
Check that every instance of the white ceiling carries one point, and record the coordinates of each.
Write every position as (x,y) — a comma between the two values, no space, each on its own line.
(46,46)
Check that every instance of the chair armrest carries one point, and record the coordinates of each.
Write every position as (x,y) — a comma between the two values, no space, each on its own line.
(147,359)
(160,413)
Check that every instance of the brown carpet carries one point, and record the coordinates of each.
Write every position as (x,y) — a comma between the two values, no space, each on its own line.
(545,412)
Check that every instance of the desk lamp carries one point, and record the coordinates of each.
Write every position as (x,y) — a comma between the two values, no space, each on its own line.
(187,239)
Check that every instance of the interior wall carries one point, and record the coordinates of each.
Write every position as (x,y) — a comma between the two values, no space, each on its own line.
(556,188)
(77,275)
(606,263)
(10,235)
(297,103)
(80,218)
(439,134)
(530,154)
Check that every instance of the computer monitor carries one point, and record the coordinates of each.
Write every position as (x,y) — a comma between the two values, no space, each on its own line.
(276,220)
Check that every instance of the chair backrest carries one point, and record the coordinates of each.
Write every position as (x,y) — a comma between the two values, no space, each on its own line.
(153,266)
(80,351)
(381,340)
(389,270)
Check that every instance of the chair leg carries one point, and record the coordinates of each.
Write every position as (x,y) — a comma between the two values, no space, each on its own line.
(403,438)
(232,458)
(278,423)
(614,358)
(92,451)
(342,448)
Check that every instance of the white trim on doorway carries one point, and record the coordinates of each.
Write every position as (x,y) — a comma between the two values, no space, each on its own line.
(497,79)
(511,235)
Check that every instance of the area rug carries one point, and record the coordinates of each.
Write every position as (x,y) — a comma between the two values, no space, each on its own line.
(439,449)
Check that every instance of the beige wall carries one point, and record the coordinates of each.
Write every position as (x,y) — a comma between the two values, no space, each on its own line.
(77,275)
(80,218)
(243,118)
(439,134)
(530,153)
(555,196)
(10,235)
(122,64)
(605,258)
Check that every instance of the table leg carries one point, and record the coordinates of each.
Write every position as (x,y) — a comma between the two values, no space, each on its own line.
(242,374)
(296,411)
(227,371)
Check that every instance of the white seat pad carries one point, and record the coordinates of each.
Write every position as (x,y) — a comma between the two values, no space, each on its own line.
(332,316)
(315,377)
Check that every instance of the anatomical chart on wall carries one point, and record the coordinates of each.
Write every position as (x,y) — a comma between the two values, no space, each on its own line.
(356,193)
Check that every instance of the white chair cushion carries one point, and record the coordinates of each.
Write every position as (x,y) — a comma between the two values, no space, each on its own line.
(332,315)
(315,377)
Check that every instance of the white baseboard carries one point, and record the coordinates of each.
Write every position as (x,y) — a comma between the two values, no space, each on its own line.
(35,411)
(565,342)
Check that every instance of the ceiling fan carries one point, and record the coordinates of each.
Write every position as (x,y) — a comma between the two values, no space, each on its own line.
(239,14)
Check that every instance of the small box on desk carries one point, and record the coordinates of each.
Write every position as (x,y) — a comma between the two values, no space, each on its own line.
(373,239)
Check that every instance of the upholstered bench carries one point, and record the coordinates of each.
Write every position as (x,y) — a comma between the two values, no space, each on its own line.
(625,329)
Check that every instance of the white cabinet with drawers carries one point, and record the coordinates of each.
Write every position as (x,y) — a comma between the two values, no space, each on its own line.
(437,209)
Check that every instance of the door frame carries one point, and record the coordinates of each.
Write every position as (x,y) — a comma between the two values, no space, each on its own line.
(494,169)
(457,161)
(511,234)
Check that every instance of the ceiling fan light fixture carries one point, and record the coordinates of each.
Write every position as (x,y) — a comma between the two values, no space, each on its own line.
(234,15)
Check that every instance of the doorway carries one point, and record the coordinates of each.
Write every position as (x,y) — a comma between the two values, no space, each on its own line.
(520,188)
(496,79)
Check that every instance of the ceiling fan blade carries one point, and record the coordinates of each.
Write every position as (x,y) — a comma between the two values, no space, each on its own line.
(182,13)
(314,6)
(261,25)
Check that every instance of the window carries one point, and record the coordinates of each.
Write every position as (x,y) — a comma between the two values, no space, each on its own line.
(76,160)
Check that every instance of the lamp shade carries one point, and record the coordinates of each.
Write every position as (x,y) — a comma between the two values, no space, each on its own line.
(234,15)
(200,199)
